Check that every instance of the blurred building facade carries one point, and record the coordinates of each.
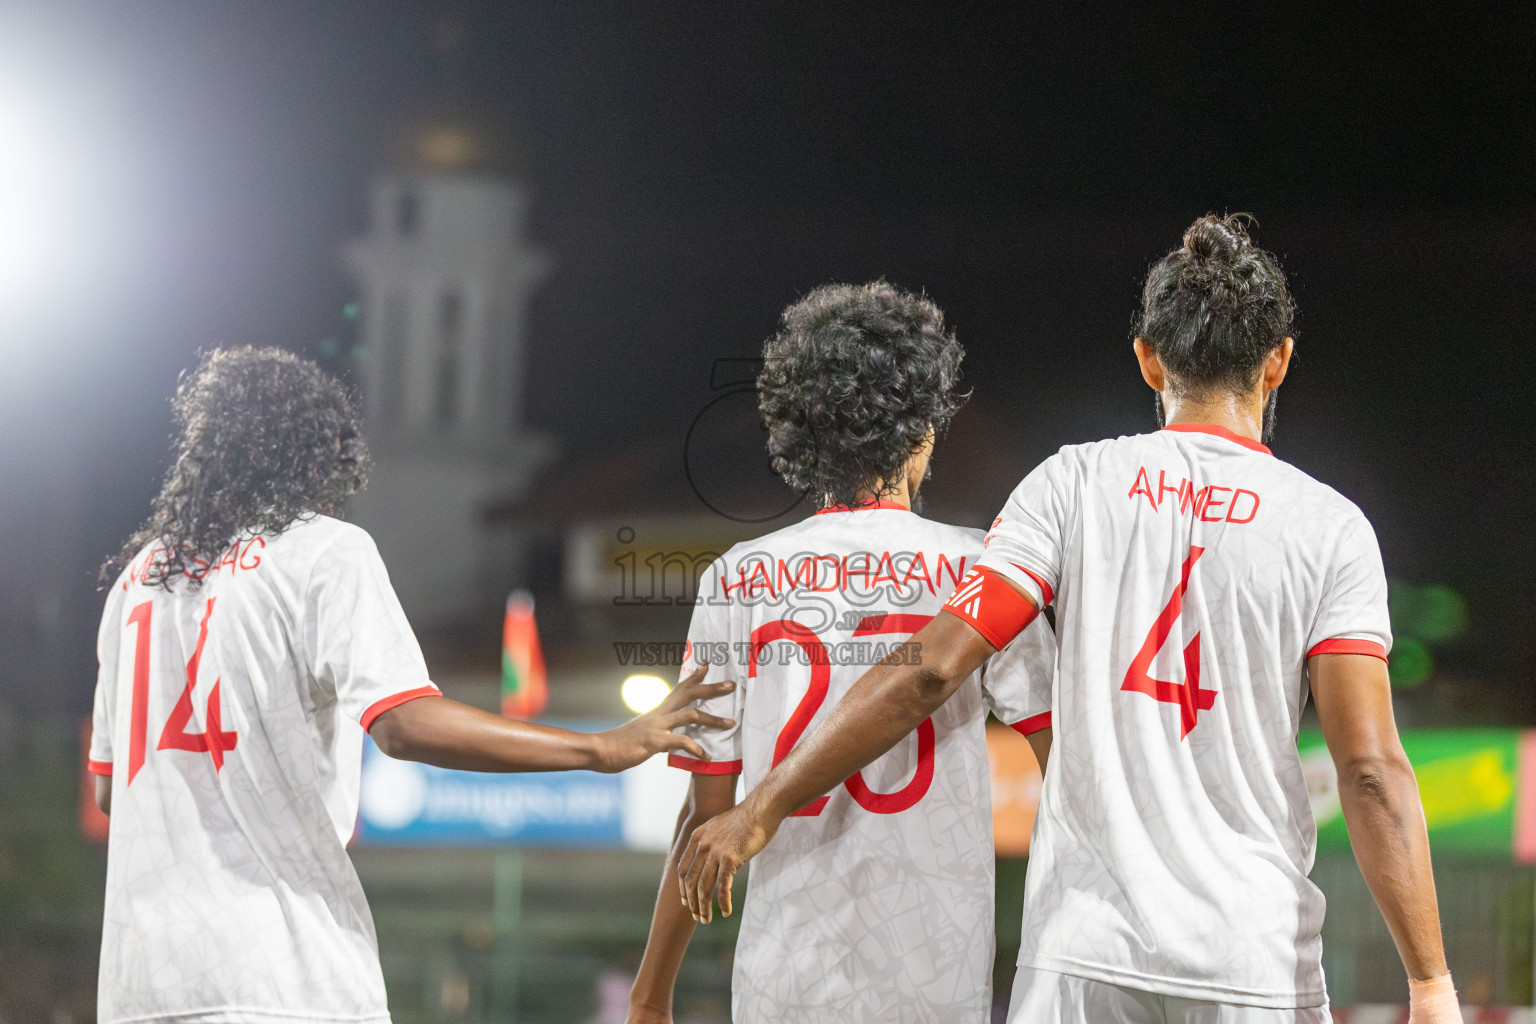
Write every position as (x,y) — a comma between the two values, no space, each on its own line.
(445,274)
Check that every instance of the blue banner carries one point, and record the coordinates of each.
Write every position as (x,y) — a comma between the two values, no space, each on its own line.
(404,803)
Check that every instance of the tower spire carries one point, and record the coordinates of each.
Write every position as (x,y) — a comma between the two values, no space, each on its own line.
(446,271)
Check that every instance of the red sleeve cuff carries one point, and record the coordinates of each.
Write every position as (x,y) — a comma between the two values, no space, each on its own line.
(99,767)
(1032,724)
(1370,647)
(992,606)
(693,764)
(379,707)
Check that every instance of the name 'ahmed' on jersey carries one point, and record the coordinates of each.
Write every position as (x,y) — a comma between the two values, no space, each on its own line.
(1236,505)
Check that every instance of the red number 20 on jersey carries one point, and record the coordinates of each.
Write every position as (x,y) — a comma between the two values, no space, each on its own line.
(816,695)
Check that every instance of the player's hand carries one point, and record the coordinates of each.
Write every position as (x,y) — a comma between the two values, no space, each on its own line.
(716,851)
(651,733)
(1433,1001)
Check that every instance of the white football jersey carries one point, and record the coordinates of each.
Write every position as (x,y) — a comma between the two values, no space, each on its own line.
(1193,574)
(228,717)
(873,903)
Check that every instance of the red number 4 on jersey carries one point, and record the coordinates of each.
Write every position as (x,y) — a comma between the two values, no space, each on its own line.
(1188,695)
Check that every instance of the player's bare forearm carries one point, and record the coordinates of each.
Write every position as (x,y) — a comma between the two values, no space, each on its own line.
(448,734)
(443,732)
(650,999)
(1380,800)
(1386,828)
(103,793)
(887,703)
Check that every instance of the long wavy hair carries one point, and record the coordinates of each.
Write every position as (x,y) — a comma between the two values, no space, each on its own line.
(853,384)
(263,439)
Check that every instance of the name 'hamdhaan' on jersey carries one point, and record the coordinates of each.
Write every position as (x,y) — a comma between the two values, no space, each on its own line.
(874,902)
(1193,575)
(227,716)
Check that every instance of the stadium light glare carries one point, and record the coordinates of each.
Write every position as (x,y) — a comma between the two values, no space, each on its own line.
(643,693)
(32,207)
(20,222)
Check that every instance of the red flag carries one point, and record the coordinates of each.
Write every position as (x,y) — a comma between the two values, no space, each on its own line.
(524,686)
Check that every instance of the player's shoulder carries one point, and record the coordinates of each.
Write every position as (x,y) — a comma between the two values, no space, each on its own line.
(756,556)
(951,537)
(321,531)
(1323,498)
(1124,446)
(785,542)
(318,539)
(767,543)
(1073,462)
(1071,458)
(1302,488)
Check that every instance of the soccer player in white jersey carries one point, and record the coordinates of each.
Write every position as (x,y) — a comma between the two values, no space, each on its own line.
(1204,589)
(875,904)
(247,643)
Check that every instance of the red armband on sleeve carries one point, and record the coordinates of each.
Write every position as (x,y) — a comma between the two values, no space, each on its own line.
(992,606)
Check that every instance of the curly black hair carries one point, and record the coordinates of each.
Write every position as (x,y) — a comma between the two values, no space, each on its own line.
(1215,308)
(853,383)
(263,439)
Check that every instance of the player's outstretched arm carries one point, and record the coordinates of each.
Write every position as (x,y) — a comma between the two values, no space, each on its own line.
(888,701)
(442,732)
(1380,799)
(650,1000)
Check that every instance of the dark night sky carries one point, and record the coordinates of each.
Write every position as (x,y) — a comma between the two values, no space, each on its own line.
(696,166)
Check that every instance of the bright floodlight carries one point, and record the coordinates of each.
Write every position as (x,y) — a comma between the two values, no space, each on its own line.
(643,693)
(33,202)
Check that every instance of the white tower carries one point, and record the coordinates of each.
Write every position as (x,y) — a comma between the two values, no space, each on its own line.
(446,274)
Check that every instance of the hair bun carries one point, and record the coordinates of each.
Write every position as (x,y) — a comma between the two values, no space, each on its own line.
(1215,238)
